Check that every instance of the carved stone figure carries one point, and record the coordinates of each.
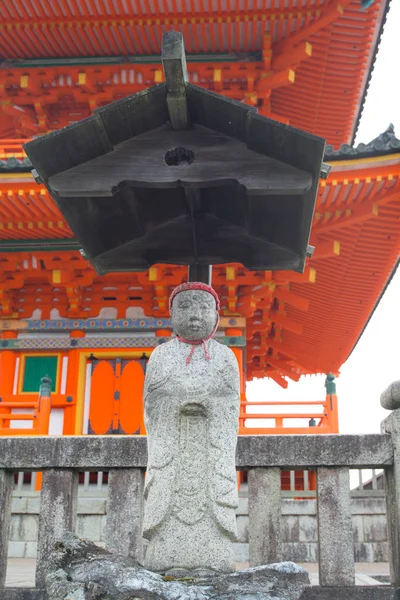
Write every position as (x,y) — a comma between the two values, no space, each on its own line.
(192,406)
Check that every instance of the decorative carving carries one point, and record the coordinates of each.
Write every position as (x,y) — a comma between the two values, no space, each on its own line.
(191,412)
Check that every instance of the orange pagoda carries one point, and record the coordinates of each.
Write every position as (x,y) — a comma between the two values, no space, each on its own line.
(306,63)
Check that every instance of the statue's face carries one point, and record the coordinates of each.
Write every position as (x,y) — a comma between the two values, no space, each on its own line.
(194,314)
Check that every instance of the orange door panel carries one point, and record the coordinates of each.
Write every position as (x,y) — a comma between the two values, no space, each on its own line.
(102,397)
(131,397)
(116,397)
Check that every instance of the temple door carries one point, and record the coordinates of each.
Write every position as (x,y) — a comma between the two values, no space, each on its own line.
(116,397)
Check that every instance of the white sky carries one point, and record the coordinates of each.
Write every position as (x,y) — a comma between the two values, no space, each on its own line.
(375,362)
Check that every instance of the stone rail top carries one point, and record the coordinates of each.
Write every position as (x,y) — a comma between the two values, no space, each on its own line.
(106,452)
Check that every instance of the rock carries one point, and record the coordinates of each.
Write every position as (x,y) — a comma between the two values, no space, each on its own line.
(80,570)
(192,404)
(390,398)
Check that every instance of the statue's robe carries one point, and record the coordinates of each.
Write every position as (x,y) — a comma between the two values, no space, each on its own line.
(191,416)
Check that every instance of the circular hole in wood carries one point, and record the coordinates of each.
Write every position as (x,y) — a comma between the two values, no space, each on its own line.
(179,156)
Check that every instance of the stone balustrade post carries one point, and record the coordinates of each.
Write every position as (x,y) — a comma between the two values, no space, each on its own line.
(335,532)
(391,425)
(6,484)
(57,515)
(265,536)
(125,512)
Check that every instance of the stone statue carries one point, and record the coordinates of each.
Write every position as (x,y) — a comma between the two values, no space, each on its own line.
(192,404)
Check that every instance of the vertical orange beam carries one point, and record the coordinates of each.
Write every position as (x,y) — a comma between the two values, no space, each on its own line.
(332,404)
(117,394)
(42,420)
(71,387)
(333,413)
(238,352)
(42,417)
(8,360)
(146,355)
(312,480)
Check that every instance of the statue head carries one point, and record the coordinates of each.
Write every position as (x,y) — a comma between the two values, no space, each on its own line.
(194,311)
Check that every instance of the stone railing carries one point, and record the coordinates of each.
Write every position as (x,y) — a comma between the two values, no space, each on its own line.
(299,516)
(61,458)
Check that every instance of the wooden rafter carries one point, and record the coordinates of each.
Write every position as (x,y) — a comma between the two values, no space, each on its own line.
(93,29)
(291,69)
(360,212)
(322,18)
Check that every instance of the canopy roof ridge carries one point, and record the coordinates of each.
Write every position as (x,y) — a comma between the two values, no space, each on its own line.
(186,170)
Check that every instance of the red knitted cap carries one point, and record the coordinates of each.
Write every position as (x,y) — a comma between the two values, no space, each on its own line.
(193,285)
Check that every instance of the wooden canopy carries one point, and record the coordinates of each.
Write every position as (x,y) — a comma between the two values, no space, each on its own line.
(180,175)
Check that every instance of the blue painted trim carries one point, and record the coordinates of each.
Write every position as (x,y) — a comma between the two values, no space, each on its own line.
(98,324)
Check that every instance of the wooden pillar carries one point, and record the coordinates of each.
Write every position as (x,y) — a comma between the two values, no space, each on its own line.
(391,425)
(335,531)
(174,64)
(44,407)
(175,70)
(6,483)
(265,537)
(331,403)
(201,273)
(333,413)
(125,512)
(71,388)
(238,352)
(8,359)
(57,514)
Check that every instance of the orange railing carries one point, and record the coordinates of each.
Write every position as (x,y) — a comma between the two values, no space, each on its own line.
(321,418)
(324,420)
(40,416)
